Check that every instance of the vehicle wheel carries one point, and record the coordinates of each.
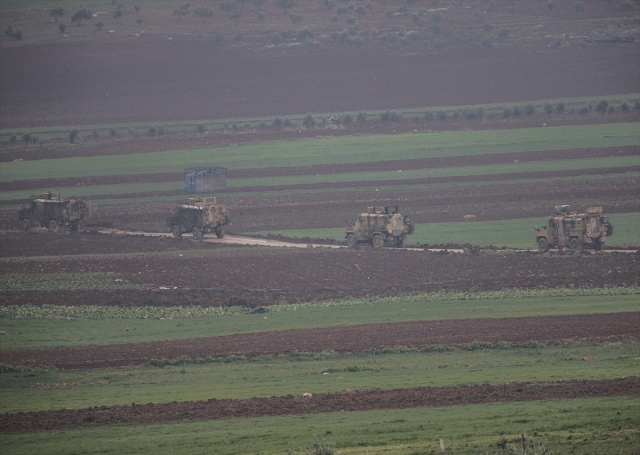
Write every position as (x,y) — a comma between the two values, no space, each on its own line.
(351,241)
(74,226)
(53,226)
(26,224)
(609,229)
(401,242)
(220,233)
(177,232)
(543,245)
(377,241)
(575,245)
(597,244)
(197,233)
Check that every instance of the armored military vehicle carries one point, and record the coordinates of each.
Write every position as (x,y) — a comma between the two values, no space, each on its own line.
(51,211)
(574,230)
(379,226)
(199,216)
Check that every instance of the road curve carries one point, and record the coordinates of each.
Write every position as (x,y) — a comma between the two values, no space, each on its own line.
(242,240)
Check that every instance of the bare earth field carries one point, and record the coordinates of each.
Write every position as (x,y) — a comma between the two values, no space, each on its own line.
(117,87)
(288,405)
(482,194)
(285,274)
(353,339)
(280,275)
(171,78)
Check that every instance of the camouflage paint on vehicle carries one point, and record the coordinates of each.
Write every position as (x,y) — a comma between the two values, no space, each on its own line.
(379,226)
(51,211)
(574,230)
(199,216)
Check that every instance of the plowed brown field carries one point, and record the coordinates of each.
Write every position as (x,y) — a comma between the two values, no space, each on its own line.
(289,405)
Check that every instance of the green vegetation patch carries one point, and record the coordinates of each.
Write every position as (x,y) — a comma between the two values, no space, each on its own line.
(325,372)
(441,172)
(197,312)
(335,150)
(101,312)
(362,182)
(561,427)
(514,233)
(31,326)
(91,281)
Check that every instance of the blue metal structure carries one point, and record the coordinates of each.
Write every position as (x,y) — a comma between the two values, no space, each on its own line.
(205,180)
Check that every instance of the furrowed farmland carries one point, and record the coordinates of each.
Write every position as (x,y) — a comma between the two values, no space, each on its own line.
(478,120)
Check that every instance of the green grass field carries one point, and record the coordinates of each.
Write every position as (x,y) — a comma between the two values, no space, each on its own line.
(508,233)
(577,426)
(326,372)
(515,233)
(38,326)
(367,179)
(560,426)
(595,423)
(587,425)
(341,150)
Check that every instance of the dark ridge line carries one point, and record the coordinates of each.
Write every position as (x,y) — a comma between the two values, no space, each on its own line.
(379,183)
(349,400)
(342,339)
(414,163)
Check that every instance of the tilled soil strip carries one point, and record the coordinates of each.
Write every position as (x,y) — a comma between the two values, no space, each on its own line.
(354,339)
(381,183)
(213,409)
(417,163)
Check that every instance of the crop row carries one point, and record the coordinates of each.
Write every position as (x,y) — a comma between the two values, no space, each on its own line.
(64,281)
(334,150)
(194,312)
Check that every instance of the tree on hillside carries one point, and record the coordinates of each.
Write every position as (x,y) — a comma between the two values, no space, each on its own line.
(602,106)
(57,12)
(529,109)
(286,5)
(81,14)
(203,13)
(235,17)
(136,8)
(182,10)
(548,108)
(309,120)
(15,33)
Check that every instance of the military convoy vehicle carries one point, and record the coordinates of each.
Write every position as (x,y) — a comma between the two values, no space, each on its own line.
(379,226)
(51,211)
(574,230)
(199,216)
